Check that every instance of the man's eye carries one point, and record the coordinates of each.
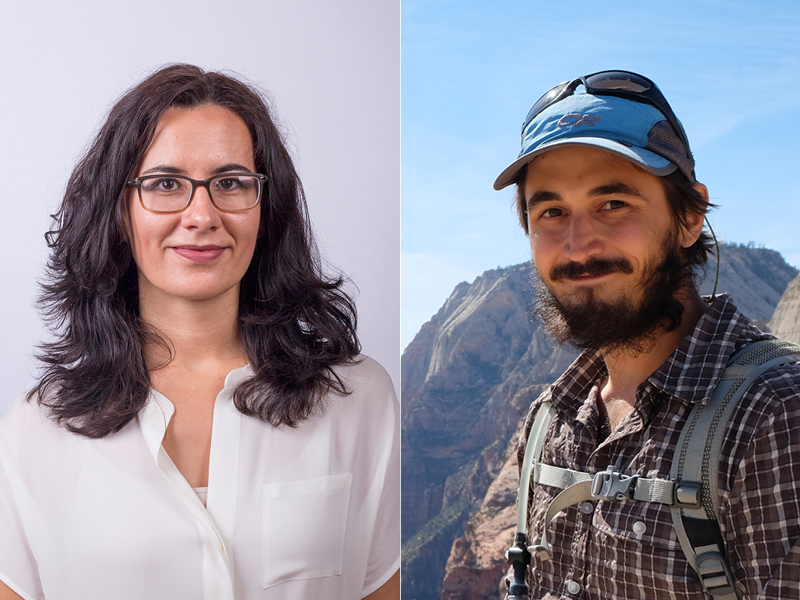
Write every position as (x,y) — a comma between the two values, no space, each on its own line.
(551,213)
(614,205)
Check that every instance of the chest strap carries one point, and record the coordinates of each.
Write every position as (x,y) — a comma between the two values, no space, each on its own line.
(606,485)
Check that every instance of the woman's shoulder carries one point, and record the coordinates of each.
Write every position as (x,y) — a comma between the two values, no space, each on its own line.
(22,414)
(26,423)
(365,377)
(370,394)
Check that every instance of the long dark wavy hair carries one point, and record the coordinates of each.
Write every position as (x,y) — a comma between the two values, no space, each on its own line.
(294,322)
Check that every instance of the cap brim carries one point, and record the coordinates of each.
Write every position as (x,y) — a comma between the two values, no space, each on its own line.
(649,161)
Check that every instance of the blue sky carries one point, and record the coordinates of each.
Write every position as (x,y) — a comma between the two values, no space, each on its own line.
(471,70)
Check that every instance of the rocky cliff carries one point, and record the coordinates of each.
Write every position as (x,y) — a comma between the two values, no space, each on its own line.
(468,378)
(785,322)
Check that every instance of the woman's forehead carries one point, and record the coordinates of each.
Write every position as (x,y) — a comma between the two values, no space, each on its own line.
(199,137)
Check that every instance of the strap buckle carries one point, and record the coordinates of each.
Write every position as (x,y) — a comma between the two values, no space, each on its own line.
(715,574)
(688,494)
(613,485)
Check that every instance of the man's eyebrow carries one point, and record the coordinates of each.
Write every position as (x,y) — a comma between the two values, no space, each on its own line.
(176,171)
(541,196)
(609,189)
(614,189)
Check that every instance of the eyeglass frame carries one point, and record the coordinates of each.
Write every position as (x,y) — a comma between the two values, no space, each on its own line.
(651,95)
(137,182)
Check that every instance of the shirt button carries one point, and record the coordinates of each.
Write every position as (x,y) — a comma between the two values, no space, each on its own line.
(587,507)
(639,528)
(573,587)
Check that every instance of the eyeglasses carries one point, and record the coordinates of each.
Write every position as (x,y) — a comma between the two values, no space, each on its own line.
(622,84)
(231,192)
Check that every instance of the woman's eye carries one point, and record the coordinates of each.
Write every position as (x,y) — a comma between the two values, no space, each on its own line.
(229,184)
(162,185)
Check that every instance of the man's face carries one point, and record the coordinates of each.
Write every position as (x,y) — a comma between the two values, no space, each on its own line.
(606,248)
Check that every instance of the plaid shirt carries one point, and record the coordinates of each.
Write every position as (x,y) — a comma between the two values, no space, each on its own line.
(629,549)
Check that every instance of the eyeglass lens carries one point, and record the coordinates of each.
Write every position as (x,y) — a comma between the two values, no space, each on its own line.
(170,193)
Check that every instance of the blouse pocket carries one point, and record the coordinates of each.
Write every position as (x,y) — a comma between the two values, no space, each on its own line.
(303,526)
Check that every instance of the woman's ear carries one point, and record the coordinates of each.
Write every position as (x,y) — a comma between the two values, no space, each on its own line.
(694,221)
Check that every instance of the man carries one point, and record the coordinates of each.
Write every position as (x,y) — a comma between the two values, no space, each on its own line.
(607,194)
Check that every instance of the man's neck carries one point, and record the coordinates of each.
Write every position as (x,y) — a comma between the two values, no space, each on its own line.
(628,369)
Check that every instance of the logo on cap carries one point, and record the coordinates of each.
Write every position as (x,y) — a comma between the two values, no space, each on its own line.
(577,119)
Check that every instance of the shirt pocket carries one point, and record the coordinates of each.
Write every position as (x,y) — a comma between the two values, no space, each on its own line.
(303,527)
(635,542)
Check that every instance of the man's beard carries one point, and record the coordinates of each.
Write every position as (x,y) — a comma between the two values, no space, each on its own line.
(592,324)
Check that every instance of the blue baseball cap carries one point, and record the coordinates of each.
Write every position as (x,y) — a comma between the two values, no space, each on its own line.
(633,130)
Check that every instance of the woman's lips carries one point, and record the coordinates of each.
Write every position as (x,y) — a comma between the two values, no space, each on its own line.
(199,254)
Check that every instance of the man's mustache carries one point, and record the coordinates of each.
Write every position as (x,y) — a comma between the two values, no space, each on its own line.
(594,267)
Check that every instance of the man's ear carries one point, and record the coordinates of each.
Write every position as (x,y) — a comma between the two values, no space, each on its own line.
(694,222)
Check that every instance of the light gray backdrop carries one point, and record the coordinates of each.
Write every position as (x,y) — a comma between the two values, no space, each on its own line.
(332,67)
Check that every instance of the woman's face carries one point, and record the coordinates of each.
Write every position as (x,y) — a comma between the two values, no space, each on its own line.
(200,253)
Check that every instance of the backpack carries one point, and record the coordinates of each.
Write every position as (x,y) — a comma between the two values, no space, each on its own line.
(691,491)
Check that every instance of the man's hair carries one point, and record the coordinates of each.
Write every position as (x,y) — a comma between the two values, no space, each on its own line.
(682,199)
(294,322)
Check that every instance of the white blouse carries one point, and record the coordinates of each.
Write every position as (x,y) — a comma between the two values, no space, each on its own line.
(312,512)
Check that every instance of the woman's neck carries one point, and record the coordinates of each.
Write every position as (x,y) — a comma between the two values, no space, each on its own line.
(199,332)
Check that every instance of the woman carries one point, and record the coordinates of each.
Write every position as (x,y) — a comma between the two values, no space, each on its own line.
(204,426)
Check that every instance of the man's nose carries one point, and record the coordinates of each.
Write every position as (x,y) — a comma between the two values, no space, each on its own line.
(582,239)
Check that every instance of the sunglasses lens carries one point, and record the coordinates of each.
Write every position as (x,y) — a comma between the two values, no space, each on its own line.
(619,80)
(546,100)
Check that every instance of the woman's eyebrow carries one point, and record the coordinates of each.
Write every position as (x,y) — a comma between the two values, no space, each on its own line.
(164,169)
(231,167)
(177,171)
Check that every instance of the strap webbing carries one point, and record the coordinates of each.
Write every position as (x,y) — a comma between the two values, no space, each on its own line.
(644,490)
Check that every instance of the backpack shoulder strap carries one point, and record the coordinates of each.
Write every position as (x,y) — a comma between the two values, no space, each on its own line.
(696,463)
(533,454)
(518,555)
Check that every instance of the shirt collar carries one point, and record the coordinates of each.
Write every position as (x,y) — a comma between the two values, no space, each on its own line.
(237,376)
(691,372)
(154,419)
(157,412)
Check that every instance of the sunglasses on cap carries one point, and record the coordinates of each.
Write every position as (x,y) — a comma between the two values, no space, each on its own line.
(622,84)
